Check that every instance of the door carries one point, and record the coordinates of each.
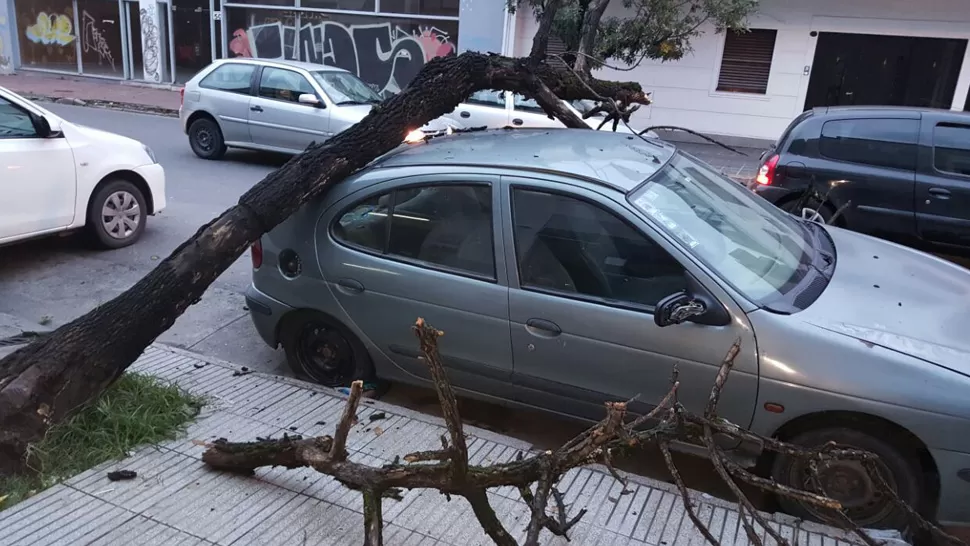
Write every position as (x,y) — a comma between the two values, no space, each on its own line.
(276,117)
(133,38)
(38,183)
(191,33)
(486,108)
(580,307)
(866,69)
(225,93)
(872,163)
(943,183)
(423,247)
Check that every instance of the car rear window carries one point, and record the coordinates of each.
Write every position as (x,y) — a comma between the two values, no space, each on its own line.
(951,148)
(234,78)
(778,145)
(884,142)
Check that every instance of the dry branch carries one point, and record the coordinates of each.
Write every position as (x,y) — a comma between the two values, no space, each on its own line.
(535,476)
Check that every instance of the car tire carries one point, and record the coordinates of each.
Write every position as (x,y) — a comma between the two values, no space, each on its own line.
(117,214)
(847,481)
(811,210)
(206,140)
(323,351)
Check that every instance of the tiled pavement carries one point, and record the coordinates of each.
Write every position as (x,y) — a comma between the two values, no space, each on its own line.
(176,500)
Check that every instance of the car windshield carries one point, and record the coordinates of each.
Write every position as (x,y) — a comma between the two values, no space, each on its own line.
(345,88)
(755,247)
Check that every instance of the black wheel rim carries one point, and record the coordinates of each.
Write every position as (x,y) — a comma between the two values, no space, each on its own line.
(204,139)
(848,482)
(325,355)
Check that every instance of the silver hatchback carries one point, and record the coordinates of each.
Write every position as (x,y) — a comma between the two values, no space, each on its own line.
(276,106)
(562,266)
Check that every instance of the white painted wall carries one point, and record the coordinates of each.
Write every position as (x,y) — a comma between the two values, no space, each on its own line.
(684,91)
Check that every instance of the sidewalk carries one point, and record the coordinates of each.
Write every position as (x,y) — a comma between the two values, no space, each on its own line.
(177,500)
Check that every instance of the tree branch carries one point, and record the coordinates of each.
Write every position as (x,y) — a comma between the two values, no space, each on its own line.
(587,42)
(540,42)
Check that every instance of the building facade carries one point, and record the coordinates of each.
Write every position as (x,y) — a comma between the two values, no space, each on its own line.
(385,42)
(800,54)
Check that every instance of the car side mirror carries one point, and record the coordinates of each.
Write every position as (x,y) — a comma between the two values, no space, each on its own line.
(694,304)
(311,99)
(41,125)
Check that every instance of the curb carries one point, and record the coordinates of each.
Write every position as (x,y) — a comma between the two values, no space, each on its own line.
(107,104)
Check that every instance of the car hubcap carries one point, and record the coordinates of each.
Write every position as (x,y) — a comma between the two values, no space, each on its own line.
(812,215)
(326,355)
(120,215)
(849,483)
(204,138)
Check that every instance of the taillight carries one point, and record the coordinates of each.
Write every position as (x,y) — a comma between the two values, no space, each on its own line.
(766,174)
(256,252)
(182,96)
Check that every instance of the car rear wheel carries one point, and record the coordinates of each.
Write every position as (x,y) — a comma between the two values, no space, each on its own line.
(206,140)
(117,214)
(811,210)
(323,351)
(864,501)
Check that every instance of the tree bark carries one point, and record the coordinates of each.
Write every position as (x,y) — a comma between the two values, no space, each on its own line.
(44,382)
(590,30)
(541,41)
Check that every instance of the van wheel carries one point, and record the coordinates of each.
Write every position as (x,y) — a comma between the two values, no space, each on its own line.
(206,140)
(849,482)
(319,349)
(117,214)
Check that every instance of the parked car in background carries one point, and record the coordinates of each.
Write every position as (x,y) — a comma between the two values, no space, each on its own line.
(276,106)
(904,173)
(497,109)
(56,176)
(573,267)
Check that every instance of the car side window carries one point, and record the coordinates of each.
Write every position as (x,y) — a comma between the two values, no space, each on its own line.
(569,246)
(14,121)
(878,142)
(487,97)
(285,85)
(526,105)
(448,226)
(234,78)
(951,148)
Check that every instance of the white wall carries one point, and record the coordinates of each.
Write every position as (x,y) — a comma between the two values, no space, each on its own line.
(684,91)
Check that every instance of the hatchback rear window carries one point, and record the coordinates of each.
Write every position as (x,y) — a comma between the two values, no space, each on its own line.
(234,78)
(877,142)
(778,145)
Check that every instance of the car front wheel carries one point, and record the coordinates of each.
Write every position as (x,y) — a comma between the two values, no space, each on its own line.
(205,138)
(117,214)
(863,498)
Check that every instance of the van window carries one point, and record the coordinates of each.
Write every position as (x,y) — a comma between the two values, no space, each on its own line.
(878,142)
(951,148)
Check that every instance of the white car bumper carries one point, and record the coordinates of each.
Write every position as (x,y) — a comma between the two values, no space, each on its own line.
(154,175)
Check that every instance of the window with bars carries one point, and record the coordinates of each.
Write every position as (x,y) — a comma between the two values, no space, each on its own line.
(746,61)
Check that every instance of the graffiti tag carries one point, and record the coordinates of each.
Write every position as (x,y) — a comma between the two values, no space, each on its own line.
(93,40)
(51,29)
(150,41)
(384,56)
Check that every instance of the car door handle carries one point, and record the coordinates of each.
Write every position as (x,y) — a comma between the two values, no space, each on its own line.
(350,285)
(256,108)
(941,193)
(516,121)
(465,114)
(542,327)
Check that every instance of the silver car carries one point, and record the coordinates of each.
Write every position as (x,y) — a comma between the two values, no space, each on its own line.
(276,106)
(562,264)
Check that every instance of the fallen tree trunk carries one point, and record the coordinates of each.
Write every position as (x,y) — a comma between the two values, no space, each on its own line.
(47,380)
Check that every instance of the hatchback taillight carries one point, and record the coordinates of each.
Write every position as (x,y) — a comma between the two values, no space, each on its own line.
(766,175)
(256,252)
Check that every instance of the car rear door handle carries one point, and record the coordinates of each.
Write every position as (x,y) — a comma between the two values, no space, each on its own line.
(542,327)
(516,121)
(350,285)
(940,193)
(465,114)
(256,108)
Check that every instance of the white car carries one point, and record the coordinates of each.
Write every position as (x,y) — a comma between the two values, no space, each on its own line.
(56,176)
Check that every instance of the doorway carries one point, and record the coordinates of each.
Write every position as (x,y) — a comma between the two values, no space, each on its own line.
(136,57)
(867,69)
(191,21)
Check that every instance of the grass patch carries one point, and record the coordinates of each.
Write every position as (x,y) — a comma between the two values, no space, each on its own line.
(138,409)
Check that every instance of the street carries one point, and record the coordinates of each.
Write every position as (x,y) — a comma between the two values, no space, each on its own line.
(55,280)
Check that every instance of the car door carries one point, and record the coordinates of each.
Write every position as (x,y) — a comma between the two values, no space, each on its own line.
(38,180)
(428,247)
(585,282)
(486,108)
(277,118)
(870,162)
(943,182)
(225,93)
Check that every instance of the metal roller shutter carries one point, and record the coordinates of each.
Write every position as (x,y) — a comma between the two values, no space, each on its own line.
(746,61)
